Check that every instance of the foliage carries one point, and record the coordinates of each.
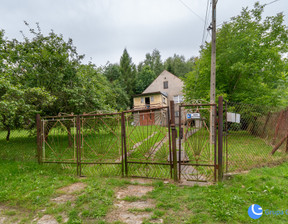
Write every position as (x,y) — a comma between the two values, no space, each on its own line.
(44,75)
(128,74)
(144,78)
(250,64)
(153,61)
(178,65)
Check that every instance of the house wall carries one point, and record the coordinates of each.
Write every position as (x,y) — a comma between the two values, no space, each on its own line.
(175,85)
(158,101)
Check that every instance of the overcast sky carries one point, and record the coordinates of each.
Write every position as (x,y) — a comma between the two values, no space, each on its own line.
(101,29)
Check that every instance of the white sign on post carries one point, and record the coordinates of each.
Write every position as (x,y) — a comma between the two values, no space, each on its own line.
(233,117)
(193,116)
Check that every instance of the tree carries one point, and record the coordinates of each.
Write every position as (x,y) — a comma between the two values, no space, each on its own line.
(128,74)
(153,61)
(144,78)
(178,65)
(251,66)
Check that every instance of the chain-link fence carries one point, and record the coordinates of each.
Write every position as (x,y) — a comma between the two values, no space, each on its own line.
(252,134)
(19,144)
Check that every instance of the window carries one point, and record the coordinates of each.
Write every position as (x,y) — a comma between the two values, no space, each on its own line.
(152,98)
(176,113)
(164,100)
(178,99)
(142,99)
(165,84)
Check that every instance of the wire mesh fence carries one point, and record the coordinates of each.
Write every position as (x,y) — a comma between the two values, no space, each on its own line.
(251,134)
(18,144)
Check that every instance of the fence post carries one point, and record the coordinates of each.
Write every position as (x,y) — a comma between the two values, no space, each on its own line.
(78,142)
(39,139)
(174,136)
(220,138)
(123,134)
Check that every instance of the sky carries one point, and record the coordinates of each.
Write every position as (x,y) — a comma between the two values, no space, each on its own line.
(101,29)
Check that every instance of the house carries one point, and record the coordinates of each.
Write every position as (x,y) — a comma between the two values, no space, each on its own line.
(159,93)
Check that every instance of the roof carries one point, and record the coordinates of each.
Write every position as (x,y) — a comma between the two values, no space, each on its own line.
(153,93)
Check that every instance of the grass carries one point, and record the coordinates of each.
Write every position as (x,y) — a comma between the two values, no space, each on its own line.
(27,189)
(227,202)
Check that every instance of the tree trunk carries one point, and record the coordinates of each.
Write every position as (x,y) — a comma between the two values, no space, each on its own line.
(8,133)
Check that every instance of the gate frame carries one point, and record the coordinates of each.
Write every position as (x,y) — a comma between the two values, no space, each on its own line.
(175,173)
(217,153)
(170,116)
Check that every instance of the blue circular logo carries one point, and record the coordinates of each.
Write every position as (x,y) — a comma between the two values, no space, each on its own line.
(255,211)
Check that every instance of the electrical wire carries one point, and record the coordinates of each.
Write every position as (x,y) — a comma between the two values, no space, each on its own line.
(183,3)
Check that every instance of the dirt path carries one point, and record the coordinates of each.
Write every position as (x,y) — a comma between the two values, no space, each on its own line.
(131,206)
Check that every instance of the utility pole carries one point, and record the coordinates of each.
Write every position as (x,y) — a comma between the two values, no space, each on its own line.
(213,79)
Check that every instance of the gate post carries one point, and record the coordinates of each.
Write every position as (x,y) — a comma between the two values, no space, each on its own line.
(123,134)
(39,139)
(220,138)
(78,142)
(174,136)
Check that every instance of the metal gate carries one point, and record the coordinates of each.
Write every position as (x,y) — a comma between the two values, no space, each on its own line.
(140,143)
(196,148)
(147,143)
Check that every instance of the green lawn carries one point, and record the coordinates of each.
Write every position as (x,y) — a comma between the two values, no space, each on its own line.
(27,189)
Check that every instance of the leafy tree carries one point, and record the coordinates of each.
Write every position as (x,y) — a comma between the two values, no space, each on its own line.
(112,72)
(128,74)
(144,78)
(251,66)
(178,65)
(153,61)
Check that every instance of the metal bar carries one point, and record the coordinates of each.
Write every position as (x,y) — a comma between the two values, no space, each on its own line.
(78,127)
(38,125)
(104,163)
(180,145)
(197,164)
(220,139)
(197,105)
(152,163)
(215,140)
(169,139)
(124,142)
(43,140)
(59,162)
(122,145)
(174,135)
(226,137)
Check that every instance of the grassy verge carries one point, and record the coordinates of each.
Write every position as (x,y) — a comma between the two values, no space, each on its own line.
(28,188)
(227,202)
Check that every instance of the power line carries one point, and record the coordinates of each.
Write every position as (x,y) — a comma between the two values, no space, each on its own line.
(269,3)
(205,23)
(191,10)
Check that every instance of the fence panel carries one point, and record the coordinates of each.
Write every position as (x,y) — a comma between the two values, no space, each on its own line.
(251,134)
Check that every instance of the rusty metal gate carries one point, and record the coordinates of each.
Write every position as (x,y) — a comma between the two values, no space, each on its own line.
(197,150)
(147,143)
(138,143)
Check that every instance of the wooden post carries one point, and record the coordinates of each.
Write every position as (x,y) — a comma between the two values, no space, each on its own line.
(213,79)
